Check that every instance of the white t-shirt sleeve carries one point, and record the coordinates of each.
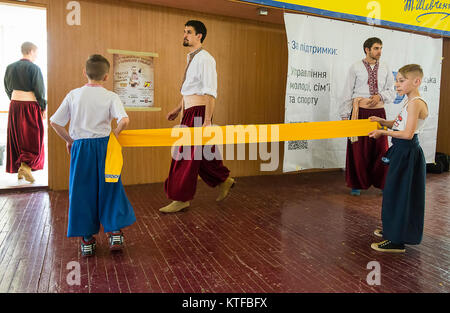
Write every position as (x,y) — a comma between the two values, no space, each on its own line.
(346,103)
(388,93)
(117,109)
(62,115)
(209,77)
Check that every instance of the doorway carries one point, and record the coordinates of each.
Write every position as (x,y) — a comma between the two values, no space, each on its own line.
(20,23)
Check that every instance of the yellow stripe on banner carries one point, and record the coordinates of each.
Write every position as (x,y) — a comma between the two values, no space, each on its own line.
(420,15)
(238,134)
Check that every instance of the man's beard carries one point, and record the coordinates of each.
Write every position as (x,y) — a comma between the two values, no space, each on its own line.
(185,43)
(375,57)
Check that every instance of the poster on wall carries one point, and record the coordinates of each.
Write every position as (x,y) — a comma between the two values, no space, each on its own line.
(320,54)
(134,79)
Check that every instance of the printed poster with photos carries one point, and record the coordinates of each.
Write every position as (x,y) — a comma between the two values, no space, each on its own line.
(134,80)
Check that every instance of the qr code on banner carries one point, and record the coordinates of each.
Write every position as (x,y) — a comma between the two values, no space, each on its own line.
(298,145)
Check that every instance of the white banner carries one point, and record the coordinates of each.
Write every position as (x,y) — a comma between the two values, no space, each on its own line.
(321,52)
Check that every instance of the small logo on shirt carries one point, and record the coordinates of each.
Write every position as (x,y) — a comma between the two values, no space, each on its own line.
(398,120)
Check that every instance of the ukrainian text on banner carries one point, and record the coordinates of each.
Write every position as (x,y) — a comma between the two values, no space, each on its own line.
(430,16)
(321,52)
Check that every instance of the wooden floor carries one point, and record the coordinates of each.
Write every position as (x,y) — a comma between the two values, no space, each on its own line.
(290,233)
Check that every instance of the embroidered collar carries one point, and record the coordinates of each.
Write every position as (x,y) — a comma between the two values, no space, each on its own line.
(365,62)
(372,77)
(193,53)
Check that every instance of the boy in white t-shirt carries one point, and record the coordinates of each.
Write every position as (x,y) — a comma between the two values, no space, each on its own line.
(92,201)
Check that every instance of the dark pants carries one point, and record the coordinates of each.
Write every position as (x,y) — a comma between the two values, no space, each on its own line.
(182,181)
(364,167)
(25,142)
(404,194)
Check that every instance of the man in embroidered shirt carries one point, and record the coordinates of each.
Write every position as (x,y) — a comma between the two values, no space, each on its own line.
(199,91)
(369,86)
(24,86)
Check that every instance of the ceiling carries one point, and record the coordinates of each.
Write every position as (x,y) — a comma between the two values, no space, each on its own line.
(231,8)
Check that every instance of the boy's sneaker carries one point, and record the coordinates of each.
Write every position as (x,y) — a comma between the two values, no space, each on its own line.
(355,192)
(378,233)
(88,248)
(115,240)
(388,246)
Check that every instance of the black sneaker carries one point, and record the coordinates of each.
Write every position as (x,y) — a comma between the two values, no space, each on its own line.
(115,240)
(388,246)
(88,248)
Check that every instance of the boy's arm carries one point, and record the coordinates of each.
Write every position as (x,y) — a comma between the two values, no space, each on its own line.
(121,125)
(411,124)
(382,121)
(388,124)
(64,134)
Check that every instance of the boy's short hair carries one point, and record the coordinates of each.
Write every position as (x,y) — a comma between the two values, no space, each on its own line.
(414,69)
(370,42)
(27,47)
(97,67)
(199,28)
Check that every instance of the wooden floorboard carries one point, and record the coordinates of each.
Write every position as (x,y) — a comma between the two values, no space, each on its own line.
(272,234)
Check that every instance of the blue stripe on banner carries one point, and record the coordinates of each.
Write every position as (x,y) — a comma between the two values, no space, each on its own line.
(296,7)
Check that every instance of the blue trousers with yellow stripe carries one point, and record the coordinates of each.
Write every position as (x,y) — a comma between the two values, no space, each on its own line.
(92,201)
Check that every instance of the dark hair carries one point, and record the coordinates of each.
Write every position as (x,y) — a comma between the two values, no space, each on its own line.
(96,67)
(199,28)
(370,42)
(27,47)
